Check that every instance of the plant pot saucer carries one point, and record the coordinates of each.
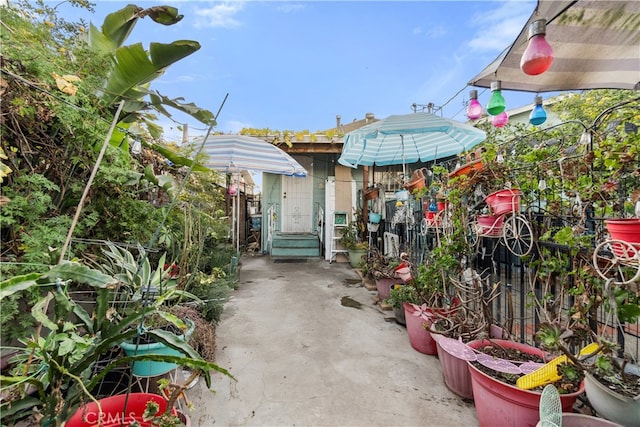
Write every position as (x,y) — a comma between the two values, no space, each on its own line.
(456,348)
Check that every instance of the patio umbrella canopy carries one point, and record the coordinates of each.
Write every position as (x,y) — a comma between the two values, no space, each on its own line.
(237,153)
(408,138)
(595,46)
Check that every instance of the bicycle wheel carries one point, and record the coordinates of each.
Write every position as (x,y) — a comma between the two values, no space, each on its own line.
(473,233)
(424,227)
(517,235)
(617,260)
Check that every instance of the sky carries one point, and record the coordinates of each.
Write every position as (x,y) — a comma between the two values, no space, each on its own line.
(296,65)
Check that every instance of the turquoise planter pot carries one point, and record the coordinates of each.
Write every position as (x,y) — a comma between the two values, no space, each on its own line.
(150,368)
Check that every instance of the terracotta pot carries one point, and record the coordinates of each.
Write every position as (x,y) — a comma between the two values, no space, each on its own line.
(371,193)
(417,181)
(419,338)
(502,405)
(467,168)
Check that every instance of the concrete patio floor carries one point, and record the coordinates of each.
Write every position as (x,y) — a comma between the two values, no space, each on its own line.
(302,358)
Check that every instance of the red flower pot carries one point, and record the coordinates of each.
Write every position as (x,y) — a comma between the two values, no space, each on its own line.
(113,411)
(419,338)
(502,405)
(504,201)
(626,230)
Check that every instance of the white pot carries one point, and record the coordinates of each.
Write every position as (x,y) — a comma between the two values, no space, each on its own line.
(611,405)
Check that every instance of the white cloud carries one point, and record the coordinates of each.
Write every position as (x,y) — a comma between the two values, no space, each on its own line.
(417,30)
(287,7)
(219,15)
(498,28)
(436,32)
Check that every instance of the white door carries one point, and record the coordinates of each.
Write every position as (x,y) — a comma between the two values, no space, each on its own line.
(297,201)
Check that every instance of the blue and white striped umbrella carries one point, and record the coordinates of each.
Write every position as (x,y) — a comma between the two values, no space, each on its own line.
(408,138)
(237,153)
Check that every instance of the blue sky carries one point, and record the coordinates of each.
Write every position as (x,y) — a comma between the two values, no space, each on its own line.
(295,65)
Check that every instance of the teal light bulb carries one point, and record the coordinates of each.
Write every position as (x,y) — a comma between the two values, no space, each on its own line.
(538,116)
(497,104)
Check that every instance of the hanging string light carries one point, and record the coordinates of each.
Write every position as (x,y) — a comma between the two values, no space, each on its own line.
(538,116)
(500,120)
(538,56)
(497,104)
(474,109)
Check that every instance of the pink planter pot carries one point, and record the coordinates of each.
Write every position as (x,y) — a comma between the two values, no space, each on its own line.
(383,286)
(502,405)
(453,362)
(420,339)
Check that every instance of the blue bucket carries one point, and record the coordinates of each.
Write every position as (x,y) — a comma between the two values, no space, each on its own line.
(374,218)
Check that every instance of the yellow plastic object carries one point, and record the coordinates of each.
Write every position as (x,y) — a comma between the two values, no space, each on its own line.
(549,372)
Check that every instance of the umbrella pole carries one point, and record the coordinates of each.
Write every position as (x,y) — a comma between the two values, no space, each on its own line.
(238,215)
(407,209)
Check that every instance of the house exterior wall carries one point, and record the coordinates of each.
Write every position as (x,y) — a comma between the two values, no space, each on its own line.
(323,166)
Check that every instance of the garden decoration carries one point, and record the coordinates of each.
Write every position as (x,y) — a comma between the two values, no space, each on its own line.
(504,222)
(550,408)
(618,257)
(549,372)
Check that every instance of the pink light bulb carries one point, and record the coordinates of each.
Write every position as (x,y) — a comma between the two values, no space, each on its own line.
(474,109)
(538,56)
(500,120)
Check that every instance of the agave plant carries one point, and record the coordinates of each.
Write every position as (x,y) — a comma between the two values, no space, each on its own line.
(52,371)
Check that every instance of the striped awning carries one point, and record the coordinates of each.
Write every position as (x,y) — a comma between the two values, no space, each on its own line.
(596,45)
(237,153)
(406,139)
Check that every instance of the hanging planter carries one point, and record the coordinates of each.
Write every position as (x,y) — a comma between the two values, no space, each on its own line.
(490,225)
(504,201)
(625,230)
(417,181)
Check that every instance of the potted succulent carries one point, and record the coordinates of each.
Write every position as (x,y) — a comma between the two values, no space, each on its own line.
(400,294)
